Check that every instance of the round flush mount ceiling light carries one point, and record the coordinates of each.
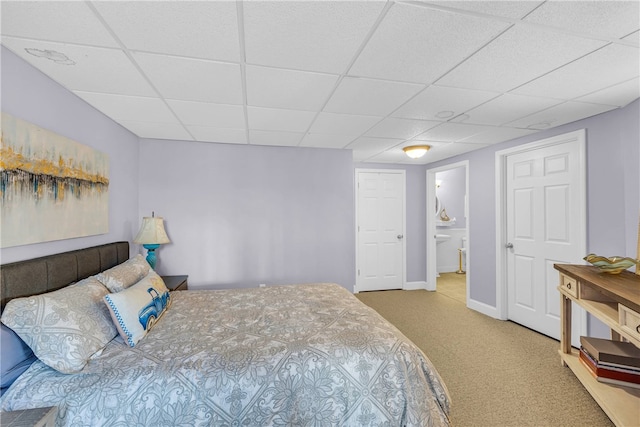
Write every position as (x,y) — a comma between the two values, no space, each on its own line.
(416,151)
(445,114)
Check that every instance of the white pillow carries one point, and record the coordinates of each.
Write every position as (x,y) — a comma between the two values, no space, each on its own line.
(136,309)
(120,277)
(64,328)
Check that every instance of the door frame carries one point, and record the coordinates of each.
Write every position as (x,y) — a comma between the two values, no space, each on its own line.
(432,270)
(501,211)
(404,221)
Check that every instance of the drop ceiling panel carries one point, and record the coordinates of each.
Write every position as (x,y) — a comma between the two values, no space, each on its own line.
(279,120)
(131,108)
(370,97)
(608,19)
(265,137)
(496,135)
(157,130)
(319,140)
(560,114)
(315,36)
(393,155)
(506,9)
(398,51)
(213,134)
(620,95)
(442,103)
(373,144)
(507,108)
(606,67)
(93,69)
(278,88)
(68,21)
(452,132)
(207,114)
(400,128)
(191,28)
(519,55)
(343,124)
(364,148)
(193,79)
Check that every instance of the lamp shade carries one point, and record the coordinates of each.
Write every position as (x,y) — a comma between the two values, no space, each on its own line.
(152,231)
(416,151)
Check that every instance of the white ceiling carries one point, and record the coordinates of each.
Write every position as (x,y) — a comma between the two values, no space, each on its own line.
(371,76)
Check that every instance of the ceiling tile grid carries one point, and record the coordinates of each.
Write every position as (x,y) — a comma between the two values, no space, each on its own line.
(85,68)
(367,76)
(289,89)
(217,134)
(415,44)
(192,79)
(443,103)
(197,29)
(208,114)
(307,35)
(518,56)
(130,108)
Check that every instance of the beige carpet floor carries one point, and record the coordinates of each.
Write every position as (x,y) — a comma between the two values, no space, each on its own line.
(453,285)
(498,373)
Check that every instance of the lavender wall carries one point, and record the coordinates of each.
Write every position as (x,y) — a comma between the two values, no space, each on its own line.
(30,95)
(416,189)
(240,215)
(613,198)
(269,205)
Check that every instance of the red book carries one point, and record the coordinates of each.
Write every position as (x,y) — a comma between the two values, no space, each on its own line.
(610,375)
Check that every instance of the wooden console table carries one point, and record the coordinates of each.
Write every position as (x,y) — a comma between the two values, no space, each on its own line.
(615,300)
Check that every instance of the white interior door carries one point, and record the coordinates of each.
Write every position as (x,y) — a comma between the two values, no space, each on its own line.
(544,211)
(380,230)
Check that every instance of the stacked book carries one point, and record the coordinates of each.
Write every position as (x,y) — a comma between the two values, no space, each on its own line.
(614,362)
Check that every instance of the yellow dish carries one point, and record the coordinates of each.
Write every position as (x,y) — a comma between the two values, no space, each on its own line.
(611,265)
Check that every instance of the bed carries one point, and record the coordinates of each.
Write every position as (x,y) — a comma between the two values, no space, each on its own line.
(309,354)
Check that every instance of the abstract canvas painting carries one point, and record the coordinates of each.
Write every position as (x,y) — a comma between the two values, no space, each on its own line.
(51,187)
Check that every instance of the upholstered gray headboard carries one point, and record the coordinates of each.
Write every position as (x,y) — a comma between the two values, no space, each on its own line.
(40,275)
(48,273)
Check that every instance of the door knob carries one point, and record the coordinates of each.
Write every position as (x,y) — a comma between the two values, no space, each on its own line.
(509,245)
(400,237)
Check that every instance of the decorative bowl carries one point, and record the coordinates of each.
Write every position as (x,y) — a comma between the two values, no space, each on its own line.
(611,265)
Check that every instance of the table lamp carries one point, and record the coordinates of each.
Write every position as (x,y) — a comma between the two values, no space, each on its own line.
(151,236)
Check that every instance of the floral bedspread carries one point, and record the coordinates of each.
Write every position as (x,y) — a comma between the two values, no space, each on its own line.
(296,355)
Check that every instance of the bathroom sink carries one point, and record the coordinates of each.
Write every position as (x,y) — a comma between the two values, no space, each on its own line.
(442,238)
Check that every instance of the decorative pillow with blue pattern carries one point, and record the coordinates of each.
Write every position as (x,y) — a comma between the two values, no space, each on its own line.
(136,309)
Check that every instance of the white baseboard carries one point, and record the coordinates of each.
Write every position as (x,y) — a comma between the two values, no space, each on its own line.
(483,308)
(413,286)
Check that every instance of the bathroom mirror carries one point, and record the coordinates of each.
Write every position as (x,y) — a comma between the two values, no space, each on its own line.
(438,207)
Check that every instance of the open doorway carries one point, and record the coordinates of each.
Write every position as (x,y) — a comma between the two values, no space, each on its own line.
(447,230)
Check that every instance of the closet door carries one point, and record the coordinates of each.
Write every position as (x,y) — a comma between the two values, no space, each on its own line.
(380,230)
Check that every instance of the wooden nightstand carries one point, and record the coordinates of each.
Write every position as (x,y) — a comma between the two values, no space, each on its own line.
(176,283)
(38,417)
